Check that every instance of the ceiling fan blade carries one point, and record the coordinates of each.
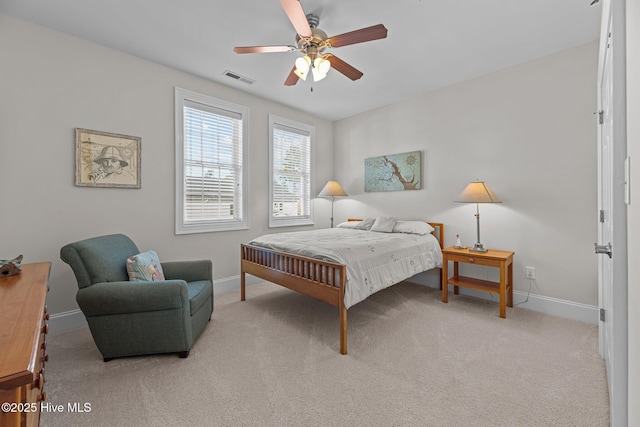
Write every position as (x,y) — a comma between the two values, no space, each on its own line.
(292,78)
(374,32)
(343,67)
(296,15)
(263,49)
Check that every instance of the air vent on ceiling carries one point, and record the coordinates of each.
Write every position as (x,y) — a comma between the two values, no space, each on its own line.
(238,77)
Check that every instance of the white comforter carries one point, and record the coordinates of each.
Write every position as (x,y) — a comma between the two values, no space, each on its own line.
(374,260)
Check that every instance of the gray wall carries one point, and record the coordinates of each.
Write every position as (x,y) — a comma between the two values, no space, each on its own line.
(52,83)
(530,133)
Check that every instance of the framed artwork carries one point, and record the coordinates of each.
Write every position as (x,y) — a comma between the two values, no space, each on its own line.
(107,159)
(393,172)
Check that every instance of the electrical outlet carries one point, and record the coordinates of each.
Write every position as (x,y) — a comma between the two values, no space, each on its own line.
(530,273)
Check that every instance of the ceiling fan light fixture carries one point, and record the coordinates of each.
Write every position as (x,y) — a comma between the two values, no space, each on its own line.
(302,64)
(302,76)
(317,76)
(320,69)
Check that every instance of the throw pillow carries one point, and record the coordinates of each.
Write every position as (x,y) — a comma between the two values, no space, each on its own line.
(383,224)
(413,227)
(145,267)
(349,224)
(365,224)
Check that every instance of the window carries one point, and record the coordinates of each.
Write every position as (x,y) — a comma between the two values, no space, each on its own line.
(290,157)
(211,159)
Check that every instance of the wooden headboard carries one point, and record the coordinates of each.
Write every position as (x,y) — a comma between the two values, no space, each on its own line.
(438,230)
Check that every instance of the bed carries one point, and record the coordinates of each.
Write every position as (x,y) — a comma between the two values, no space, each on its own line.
(342,266)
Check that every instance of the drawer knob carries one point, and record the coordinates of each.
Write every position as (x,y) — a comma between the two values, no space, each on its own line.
(45,328)
(44,358)
(471,259)
(39,383)
(42,397)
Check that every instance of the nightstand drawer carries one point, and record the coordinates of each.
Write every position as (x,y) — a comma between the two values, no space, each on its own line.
(472,259)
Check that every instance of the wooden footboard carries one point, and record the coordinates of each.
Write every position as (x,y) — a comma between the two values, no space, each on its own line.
(323,280)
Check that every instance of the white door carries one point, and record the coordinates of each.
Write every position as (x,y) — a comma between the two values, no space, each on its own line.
(612,219)
(605,235)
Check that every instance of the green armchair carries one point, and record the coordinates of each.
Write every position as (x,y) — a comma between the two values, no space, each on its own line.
(135,318)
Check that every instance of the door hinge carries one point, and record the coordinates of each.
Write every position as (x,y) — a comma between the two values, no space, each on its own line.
(600,117)
(601,215)
(602,314)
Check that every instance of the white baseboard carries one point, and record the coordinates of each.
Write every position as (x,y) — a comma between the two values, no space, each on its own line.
(66,321)
(231,283)
(557,307)
(554,306)
(74,319)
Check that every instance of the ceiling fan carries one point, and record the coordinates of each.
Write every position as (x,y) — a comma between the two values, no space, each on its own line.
(312,41)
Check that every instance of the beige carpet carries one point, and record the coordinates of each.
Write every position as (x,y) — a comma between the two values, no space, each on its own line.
(273,360)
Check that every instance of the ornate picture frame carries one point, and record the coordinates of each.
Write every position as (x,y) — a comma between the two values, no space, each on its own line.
(106,159)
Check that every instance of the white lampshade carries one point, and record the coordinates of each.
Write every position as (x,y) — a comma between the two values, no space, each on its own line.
(302,67)
(478,192)
(320,69)
(332,189)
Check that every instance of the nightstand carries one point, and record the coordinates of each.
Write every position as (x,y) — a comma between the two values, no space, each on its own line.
(492,258)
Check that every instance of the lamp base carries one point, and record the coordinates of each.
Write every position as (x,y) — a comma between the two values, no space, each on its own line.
(478,248)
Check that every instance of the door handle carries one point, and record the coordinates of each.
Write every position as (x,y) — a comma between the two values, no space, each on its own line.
(604,249)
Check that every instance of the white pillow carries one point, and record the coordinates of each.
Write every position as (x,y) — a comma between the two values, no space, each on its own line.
(413,227)
(384,224)
(365,224)
(349,224)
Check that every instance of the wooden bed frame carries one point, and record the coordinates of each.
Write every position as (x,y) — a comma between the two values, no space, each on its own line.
(322,280)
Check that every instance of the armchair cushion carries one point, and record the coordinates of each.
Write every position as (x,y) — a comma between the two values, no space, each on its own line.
(199,294)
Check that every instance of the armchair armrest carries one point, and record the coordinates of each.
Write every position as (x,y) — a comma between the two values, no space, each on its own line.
(108,298)
(189,271)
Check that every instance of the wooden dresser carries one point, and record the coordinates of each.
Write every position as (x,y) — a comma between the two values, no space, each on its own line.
(23,326)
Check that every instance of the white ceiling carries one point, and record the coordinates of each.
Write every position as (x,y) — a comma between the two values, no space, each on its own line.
(430,44)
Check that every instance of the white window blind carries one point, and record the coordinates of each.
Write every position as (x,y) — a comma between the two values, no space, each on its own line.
(212,165)
(291,161)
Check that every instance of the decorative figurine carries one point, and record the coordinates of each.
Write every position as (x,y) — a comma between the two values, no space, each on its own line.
(458,243)
(10,267)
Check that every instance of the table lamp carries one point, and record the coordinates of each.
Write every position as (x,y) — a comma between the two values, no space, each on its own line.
(478,192)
